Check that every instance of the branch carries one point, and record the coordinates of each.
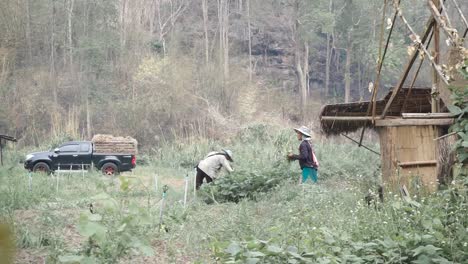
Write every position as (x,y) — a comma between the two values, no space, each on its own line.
(420,45)
(461,15)
(450,32)
(174,16)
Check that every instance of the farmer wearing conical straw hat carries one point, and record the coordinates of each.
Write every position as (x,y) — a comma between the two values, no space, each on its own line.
(211,165)
(306,157)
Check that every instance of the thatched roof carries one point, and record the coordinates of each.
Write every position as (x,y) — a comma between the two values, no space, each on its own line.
(419,101)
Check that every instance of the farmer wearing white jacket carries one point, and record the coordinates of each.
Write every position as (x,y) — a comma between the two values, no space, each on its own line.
(212,164)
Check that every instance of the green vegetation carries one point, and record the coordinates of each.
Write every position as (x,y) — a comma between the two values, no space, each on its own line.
(256,215)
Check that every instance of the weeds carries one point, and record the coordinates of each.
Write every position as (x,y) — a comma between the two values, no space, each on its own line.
(258,214)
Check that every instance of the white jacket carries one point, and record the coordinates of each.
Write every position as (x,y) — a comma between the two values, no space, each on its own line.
(212,164)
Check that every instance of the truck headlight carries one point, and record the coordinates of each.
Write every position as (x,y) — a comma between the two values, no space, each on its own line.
(29,156)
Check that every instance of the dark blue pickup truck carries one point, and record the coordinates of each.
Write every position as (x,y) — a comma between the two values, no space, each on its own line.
(79,155)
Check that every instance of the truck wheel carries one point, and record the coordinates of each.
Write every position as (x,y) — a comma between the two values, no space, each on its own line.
(109,169)
(41,167)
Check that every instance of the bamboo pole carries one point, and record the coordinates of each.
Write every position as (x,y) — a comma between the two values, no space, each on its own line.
(186,190)
(419,42)
(407,70)
(427,115)
(435,53)
(1,152)
(155,178)
(402,80)
(450,32)
(58,179)
(30,181)
(161,209)
(415,75)
(417,163)
(371,150)
(381,58)
(462,16)
(349,118)
(372,104)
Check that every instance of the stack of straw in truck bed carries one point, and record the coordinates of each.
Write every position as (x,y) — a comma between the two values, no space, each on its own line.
(108,144)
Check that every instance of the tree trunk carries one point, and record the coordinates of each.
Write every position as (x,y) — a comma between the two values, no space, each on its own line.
(306,69)
(221,31)
(223,14)
(327,67)
(435,54)
(349,49)
(249,32)
(300,65)
(52,55)
(88,115)
(205,29)
(70,31)
(328,58)
(226,38)
(28,30)
(123,13)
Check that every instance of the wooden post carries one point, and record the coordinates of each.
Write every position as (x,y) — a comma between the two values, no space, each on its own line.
(58,179)
(1,152)
(155,177)
(161,209)
(435,54)
(186,190)
(462,17)
(408,67)
(30,181)
(195,185)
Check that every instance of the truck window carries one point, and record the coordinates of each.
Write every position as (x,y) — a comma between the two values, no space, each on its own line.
(69,148)
(84,147)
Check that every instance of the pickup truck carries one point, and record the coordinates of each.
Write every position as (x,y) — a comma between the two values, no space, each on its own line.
(79,155)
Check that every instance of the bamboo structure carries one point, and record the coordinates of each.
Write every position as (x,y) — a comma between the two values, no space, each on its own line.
(412,122)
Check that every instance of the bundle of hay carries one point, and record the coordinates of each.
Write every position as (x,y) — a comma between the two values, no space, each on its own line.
(107,144)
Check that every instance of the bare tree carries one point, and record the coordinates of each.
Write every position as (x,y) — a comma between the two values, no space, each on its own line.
(70,34)
(301,58)
(349,51)
(328,58)
(52,53)
(167,22)
(223,20)
(205,30)
(249,33)
(28,29)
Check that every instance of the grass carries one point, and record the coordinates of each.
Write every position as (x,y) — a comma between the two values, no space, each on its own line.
(324,223)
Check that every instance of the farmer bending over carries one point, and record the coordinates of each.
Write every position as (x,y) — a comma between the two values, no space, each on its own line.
(211,165)
(306,157)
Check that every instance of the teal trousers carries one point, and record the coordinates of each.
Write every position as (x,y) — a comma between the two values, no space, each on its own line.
(309,173)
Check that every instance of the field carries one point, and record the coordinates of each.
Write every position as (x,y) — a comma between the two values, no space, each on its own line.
(258,214)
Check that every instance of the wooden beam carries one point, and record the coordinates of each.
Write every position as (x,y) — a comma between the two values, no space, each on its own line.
(436,55)
(407,68)
(8,138)
(348,118)
(360,145)
(414,122)
(443,23)
(417,163)
(462,16)
(444,136)
(426,115)
(420,45)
